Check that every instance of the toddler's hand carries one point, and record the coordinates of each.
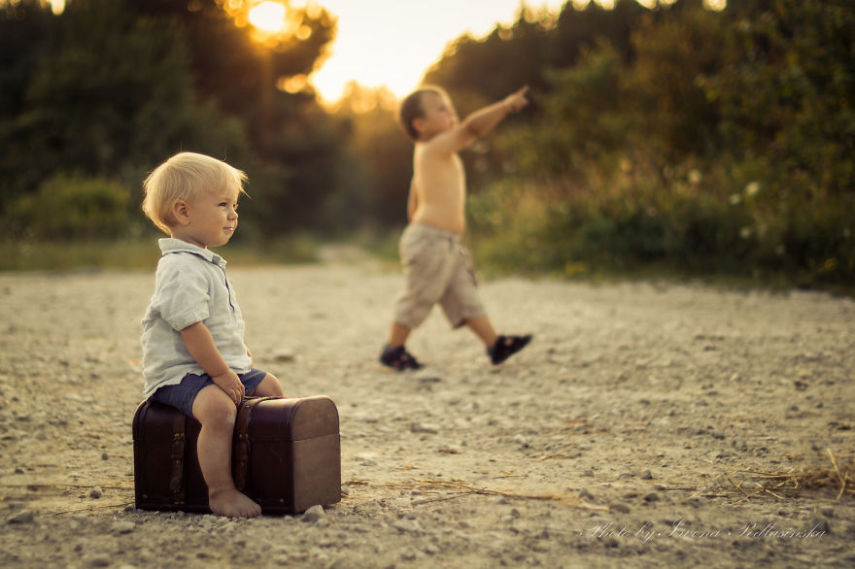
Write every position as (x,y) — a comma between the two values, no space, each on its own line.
(230,383)
(516,101)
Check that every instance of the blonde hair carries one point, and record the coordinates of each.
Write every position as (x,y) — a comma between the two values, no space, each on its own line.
(184,177)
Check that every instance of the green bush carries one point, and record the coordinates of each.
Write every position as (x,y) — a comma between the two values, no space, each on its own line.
(71,207)
(721,221)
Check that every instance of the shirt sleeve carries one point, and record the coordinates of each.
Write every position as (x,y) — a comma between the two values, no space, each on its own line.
(183,296)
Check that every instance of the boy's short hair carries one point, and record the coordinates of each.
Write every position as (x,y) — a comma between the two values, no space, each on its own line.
(412,108)
(183,177)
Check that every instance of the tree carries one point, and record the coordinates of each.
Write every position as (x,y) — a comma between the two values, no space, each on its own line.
(384,154)
(27,28)
(675,55)
(787,91)
(111,97)
(113,87)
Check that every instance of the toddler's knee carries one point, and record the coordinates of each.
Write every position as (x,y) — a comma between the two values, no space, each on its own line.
(219,414)
(276,387)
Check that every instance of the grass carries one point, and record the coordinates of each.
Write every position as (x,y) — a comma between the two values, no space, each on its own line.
(837,475)
(141,254)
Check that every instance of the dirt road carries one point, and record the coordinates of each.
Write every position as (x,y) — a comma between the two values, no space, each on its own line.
(620,438)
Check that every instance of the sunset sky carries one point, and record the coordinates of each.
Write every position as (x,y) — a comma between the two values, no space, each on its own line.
(393,42)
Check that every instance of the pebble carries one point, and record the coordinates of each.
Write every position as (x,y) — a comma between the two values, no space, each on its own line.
(99,561)
(285,356)
(431,550)
(421,428)
(313,514)
(427,379)
(366,459)
(96,493)
(123,527)
(22,517)
(586,495)
(821,524)
(407,526)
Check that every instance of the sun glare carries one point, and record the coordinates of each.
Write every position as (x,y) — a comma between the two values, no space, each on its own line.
(268,16)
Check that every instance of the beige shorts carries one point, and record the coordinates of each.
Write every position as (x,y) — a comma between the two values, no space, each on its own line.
(437,269)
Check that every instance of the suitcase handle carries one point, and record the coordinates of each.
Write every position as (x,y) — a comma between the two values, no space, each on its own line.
(241,444)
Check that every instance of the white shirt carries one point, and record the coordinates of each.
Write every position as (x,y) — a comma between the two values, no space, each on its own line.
(190,286)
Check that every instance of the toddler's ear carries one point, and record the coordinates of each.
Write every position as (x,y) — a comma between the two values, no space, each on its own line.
(181,211)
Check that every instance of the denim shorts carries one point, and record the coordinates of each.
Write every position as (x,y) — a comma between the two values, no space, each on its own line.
(183,395)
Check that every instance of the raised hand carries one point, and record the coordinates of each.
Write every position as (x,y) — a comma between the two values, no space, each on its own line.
(517,100)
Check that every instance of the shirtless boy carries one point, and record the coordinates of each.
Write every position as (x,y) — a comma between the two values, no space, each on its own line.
(437,266)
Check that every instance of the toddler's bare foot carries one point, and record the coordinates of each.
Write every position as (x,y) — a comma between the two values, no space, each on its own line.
(233,504)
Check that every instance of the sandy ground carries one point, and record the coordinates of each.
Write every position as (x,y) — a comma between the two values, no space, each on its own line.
(619,438)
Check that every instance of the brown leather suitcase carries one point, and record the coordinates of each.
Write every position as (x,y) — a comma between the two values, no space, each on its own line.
(286,456)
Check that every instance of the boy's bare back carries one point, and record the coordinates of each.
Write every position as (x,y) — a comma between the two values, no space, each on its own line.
(438,189)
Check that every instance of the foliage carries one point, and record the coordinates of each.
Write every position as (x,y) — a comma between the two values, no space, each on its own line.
(111,97)
(787,93)
(723,144)
(111,88)
(383,155)
(25,26)
(138,254)
(675,136)
(71,207)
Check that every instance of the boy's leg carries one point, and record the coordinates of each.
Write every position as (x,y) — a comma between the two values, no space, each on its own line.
(394,355)
(398,334)
(269,387)
(499,348)
(483,328)
(461,302)
(216,412)
(462,306)
(428,265)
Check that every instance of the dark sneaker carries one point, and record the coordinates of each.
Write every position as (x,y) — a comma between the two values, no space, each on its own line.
(399,359)
(506,346)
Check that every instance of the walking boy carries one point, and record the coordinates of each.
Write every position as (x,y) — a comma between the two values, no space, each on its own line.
(437,267)
(194,356)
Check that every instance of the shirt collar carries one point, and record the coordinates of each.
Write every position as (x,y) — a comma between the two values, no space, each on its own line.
(171,245)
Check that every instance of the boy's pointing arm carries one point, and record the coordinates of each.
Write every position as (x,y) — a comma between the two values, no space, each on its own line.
(482,121)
